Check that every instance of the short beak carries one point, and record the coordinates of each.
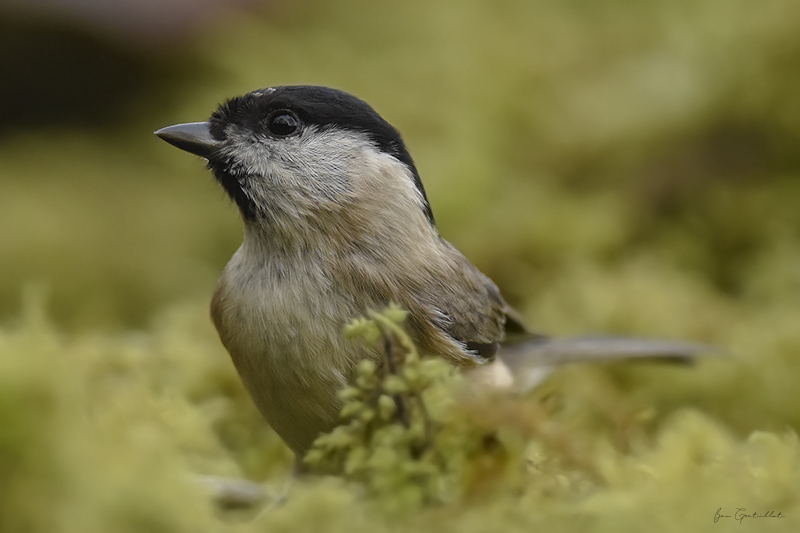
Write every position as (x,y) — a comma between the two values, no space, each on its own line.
(194,137)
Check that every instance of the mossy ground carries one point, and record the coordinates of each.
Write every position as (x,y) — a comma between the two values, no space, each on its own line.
(616,167)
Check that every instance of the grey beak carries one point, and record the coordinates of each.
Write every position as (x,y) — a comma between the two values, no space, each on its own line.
(194,137)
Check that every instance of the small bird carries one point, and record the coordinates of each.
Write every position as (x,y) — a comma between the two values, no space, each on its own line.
(336,222)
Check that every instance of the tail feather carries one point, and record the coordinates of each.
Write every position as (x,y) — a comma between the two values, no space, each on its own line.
(531,361)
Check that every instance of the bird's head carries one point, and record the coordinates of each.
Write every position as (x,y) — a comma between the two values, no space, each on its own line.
(303,158)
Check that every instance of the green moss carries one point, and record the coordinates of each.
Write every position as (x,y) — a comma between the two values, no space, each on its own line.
(392,437)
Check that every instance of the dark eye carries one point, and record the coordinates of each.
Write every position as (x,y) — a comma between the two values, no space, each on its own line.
(283,123)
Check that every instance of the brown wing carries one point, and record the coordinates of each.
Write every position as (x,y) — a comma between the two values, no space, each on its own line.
(454,310)
(466,306)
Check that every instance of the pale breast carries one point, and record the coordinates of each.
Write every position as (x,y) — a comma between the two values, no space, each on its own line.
(282,326)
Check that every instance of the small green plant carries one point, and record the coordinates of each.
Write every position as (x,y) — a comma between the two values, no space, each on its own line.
(395,435)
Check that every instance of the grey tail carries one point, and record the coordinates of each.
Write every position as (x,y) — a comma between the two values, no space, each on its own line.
(532,360)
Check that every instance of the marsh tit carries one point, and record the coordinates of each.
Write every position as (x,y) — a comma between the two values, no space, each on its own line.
(336,222)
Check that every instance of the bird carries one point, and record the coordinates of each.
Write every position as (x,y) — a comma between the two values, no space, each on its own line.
(336,222)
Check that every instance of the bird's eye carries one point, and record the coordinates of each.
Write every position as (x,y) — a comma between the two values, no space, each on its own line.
(283,124)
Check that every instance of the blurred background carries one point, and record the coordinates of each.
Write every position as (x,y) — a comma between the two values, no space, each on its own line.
(551,136)
(620,167)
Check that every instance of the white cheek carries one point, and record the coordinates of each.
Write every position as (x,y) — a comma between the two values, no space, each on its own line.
(314,165)
(322,172)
